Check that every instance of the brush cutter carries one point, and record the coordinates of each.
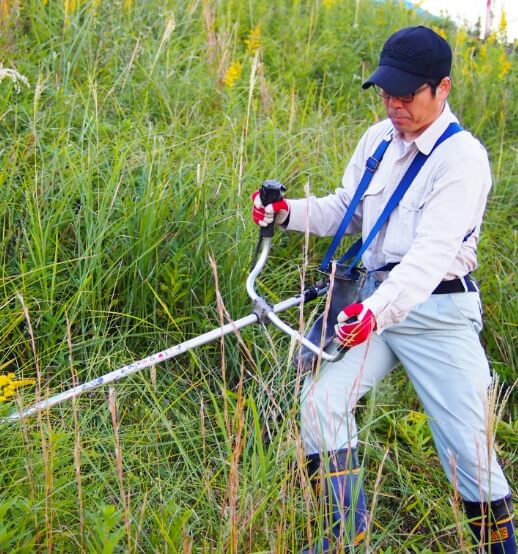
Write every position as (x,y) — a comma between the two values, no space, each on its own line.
(262,312)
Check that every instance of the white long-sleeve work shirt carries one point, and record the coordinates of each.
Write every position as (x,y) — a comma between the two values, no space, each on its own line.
(426,231)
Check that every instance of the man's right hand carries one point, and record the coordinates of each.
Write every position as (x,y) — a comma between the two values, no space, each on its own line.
(277,212)
(354,324)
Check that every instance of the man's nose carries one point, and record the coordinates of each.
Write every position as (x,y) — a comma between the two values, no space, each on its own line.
(394,102)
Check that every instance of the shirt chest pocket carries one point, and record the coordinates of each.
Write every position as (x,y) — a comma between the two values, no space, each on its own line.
(374,200)
(416,196)
(399,233)
(376,197)
(403,224)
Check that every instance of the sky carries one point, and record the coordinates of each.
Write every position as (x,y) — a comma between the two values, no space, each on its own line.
(471,10)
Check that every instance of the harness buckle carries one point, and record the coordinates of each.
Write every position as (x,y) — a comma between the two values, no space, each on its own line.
(372,164)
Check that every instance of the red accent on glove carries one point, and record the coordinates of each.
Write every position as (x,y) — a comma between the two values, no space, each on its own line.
(355,324)
(258,209)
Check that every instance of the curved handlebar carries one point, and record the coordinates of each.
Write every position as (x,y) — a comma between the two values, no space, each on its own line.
(264,310)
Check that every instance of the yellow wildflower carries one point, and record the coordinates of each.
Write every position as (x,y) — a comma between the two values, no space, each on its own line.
(482,54)
(71,6)
(504,65)
(502,25)
(8,385)
(328,3)
(440,31)
(462,36)
(232,74)
(415,416)
(4,9)
(253,42)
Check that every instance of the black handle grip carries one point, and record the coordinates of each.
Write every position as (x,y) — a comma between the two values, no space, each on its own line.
(271,191)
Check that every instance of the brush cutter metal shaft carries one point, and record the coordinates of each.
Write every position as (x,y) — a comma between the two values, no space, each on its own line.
(136,366)
(261,310)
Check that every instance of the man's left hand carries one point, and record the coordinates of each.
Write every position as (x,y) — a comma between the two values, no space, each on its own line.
(354,325)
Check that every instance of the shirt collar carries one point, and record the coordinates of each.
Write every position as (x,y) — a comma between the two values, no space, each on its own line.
(426,141)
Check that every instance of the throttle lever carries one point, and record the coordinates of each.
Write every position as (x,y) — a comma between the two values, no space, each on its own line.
(271,191)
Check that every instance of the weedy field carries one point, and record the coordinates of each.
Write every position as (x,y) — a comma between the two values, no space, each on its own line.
(127,158)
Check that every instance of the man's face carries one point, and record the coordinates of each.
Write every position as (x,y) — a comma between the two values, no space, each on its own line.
(412,118)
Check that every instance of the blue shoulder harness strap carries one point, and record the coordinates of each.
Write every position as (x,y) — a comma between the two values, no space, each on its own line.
(358,248)
(370,168)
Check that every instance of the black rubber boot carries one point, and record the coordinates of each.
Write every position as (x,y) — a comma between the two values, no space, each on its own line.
(492,525)
(336,480)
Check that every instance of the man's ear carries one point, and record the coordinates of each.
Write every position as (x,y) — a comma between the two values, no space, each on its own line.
(443,90)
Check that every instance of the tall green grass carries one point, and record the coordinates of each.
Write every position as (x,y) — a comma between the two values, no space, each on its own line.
(126,167)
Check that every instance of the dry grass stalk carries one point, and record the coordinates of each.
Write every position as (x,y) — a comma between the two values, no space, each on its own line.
(456,504)
(497,399)
(221,313)
(28,463)
(141,520)
(152,375)
(187,543)
(125,498)
(46,452)
(77,439)
(232,492)
(203,428)
(125,74)
(244,134)
(274,406)
(305,485)
(168,31)
(210,29)
(264,92)
(374,501)
(234,428)
(305,256)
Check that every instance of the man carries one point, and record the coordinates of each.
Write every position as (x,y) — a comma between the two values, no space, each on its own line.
(421,308)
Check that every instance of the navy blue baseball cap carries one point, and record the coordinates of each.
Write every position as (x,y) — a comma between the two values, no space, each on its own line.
(410,58)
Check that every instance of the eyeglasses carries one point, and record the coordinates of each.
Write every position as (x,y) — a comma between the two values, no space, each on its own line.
(405,98)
